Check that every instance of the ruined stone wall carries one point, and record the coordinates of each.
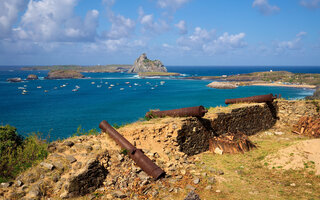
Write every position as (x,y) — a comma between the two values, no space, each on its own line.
(291,111)
(193,137)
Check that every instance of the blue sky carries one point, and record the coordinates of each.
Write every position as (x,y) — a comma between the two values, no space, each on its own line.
(178,32)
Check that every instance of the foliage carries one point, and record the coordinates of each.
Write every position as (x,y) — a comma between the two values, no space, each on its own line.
(81,131)
(17,153)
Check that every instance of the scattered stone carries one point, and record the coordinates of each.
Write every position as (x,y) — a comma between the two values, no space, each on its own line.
(211,180)
(68,143)
(155,193)
(143,176)
(220,172)
(91,196)
(293,184)
(192,196)
(71,159)
(119,194)
(278,133)
(183,171)
(209,187)
(19,183)
(218,151)
(5,185)
(47,165)
(190,187)
(196,180)
(218,191)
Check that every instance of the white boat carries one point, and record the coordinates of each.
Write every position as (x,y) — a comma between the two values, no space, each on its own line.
(99,86)
(121,88)
(136,84)
(39,87)
(25,86)
(74,90)
(93,83)
(162,82)
(106,83)
(46,91)
(77,86)
(127,82)
(55,88)
(21,88)
(111,85)
(109,88)
(152,88)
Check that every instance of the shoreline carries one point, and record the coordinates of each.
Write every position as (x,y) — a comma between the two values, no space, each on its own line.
(284,85)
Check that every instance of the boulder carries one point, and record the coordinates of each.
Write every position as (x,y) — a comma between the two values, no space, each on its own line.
(32,77)
(143,64)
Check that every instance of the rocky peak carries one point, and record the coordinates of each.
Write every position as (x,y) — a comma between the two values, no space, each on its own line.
(143,64)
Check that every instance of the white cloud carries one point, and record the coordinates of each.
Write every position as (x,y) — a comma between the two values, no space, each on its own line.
(9,10)
(197,39)
(182,26)
(225,43)
(152,26)
(264,7)
(311,4)
(121,27)
(206,41)
(294,44)
(171,4)
(54,20)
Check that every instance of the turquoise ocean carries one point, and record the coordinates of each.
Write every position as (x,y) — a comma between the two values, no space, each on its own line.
(52,107)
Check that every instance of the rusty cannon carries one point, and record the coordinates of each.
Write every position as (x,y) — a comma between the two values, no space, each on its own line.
(253,99)
(197,111)
(135,154)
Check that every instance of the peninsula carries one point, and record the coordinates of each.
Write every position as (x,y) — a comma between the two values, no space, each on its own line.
(269,78)
(78,68)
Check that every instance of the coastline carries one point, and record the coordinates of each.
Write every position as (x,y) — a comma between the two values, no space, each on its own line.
(284,85)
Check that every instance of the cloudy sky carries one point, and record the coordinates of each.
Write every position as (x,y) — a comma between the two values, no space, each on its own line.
(178,32)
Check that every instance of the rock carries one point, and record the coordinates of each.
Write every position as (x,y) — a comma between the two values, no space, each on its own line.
(218,191)
(32,77)
(190,187)
(220,172)
(5,185)
(71,159)
(278,133)
(192,196)
(119,194)
(47,165)
(14,80)
(64,74)
(196,180)
(55,177)
(34,191)
(68,143)
(209,187)
(218,151)
(293,184)
(143,176)
(19,183)
(211,180)
(222,85)
(143,64)
(183,171)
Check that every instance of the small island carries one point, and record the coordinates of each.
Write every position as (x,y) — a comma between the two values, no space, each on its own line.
(222,85)
(32,77)
(64,74)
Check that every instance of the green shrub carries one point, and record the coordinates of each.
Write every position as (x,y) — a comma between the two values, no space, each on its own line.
(18,154)
(81,131)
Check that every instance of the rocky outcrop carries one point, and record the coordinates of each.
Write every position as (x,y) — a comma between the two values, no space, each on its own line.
(316,94)
(222,85)
(64,74)
(143,64)
(32,77)
(14,80)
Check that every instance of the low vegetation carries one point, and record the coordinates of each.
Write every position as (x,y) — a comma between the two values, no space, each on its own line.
(17,153)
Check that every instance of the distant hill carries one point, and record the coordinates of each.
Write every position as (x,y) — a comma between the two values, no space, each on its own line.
(78,68)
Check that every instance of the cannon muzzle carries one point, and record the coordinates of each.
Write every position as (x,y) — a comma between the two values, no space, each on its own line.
(253,99)
(135,154)
(198,111)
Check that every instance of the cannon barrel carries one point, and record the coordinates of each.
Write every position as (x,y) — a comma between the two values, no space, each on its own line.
(253,99)
(197,111)
(135,154)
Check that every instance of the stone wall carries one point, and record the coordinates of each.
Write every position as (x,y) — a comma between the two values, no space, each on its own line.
(193,137)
